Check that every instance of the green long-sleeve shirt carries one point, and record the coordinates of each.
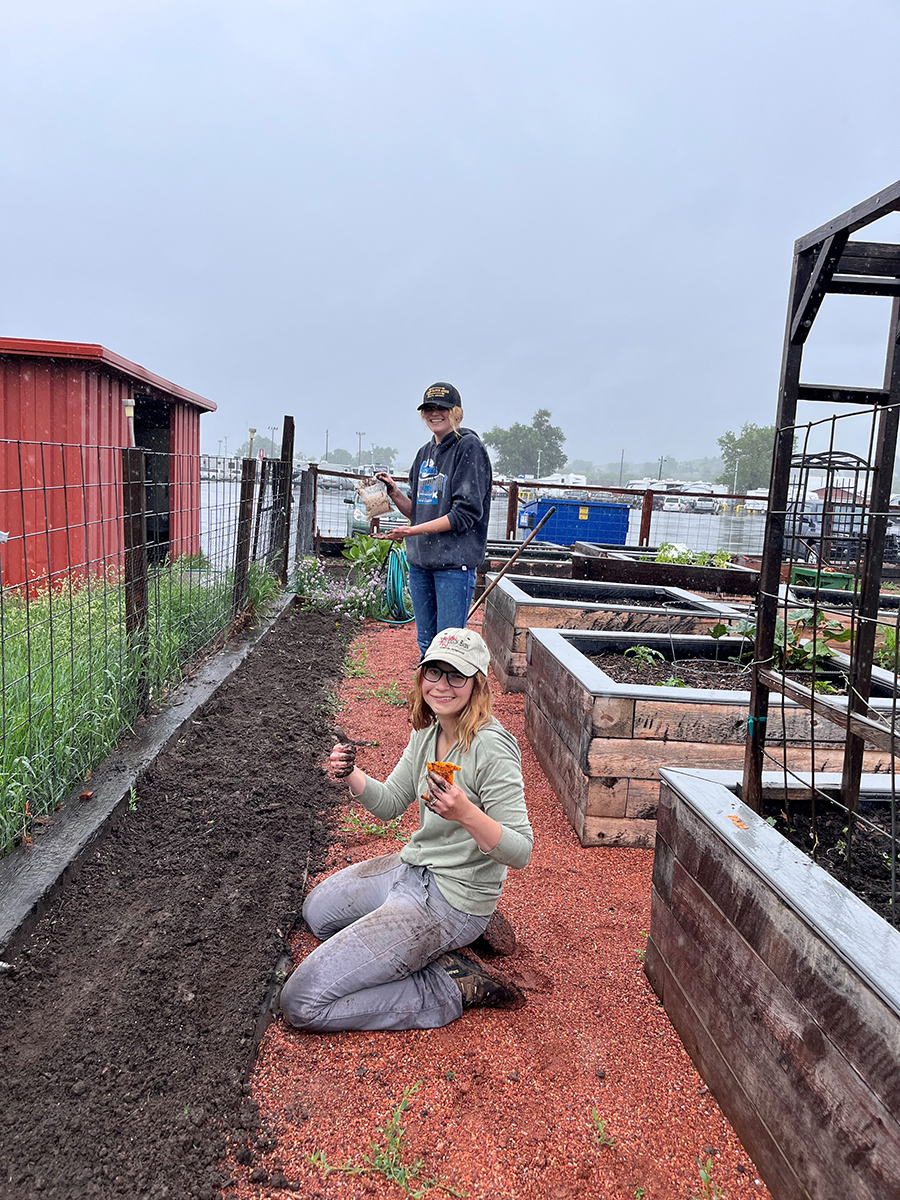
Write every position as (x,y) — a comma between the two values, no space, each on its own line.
(491,776)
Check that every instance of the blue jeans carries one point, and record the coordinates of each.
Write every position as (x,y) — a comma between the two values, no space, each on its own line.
(441,600)
(384,924)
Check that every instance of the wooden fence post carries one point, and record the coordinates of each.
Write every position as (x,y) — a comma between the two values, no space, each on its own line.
(134,536)
(282,493)
(306,514)
(512,512)
(244,534)
(646,514)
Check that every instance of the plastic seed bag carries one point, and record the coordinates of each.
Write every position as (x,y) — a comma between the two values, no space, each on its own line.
(374,497)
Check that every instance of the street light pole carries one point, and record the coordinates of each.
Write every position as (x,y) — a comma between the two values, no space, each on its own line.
(359,450)
(272,429)
(734,484)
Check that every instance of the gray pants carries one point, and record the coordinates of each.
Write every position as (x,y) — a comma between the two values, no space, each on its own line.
(384,924)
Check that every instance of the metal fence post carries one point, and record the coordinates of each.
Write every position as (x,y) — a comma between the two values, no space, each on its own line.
(244,533)
(134,543)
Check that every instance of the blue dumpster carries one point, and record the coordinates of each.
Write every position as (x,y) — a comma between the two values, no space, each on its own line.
(578,521)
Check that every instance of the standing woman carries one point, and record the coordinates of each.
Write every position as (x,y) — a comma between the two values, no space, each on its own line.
(391,925)
(448,509)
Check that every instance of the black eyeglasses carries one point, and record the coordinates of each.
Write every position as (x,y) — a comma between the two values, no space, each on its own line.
(434,674)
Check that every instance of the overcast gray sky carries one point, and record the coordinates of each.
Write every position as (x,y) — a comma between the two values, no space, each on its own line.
(320,207)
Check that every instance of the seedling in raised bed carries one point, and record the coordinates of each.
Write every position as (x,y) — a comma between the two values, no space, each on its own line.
(709,1189)
(673,681)
(601,1136)
(359,823)
(386,1158)
(644,656)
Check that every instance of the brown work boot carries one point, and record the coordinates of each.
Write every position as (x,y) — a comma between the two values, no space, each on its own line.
(477,988)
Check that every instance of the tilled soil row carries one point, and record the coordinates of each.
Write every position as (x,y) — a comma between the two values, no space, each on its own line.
(128,1021)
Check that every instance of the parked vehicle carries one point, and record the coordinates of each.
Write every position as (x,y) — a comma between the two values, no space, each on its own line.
(704,504)
(670,504)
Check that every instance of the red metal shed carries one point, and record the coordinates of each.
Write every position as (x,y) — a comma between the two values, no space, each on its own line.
(63,424)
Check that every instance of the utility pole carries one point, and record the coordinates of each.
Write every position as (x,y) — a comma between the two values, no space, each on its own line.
(272,429)
(359,450)
(662,459)
(736,462)
(621,467)
(326,445)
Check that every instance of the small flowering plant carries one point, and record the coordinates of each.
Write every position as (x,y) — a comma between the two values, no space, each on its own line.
(319,588)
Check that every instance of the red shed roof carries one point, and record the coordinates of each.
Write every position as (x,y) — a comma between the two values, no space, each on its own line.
(86,352)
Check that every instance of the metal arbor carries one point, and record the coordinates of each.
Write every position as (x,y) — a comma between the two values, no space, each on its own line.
(827,261)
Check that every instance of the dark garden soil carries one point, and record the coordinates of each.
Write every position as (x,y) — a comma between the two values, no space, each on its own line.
(692,672)
(129,1019)
(867,872)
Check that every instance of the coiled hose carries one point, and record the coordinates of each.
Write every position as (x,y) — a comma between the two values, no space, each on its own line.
(397,576)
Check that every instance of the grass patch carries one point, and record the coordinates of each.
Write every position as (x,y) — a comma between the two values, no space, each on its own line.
(72,682)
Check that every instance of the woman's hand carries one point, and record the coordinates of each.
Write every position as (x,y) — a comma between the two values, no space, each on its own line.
(342,761)
(389,483)
(398,533)
(452,803)
(446,799)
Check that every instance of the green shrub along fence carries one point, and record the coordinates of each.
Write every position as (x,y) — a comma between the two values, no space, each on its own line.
(113,579)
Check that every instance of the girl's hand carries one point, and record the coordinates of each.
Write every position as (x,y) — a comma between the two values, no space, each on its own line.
(446,799)
(342,761)
(389,483)
(398,533)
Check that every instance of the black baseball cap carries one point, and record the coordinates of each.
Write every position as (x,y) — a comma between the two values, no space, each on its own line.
(441,395)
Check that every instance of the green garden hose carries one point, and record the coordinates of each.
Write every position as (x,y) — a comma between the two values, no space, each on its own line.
(394,599)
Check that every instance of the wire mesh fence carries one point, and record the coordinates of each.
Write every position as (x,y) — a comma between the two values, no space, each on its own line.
(693,522)
(117,569)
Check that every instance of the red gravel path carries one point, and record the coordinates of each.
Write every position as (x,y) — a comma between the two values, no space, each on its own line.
(505,1102)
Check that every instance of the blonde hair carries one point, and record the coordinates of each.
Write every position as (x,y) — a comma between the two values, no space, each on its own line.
(454,416)
(473,717)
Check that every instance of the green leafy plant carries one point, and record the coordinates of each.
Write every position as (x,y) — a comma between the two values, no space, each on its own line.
(886,654)
(385,1157)
(800,641)
(132,799)
(262,588)
(366,554)
(358,823)
(709,1189)
(673,681)
(640,1193)
(390,694)
(668,552)
(356,664)
(644,656)
(641,951)
(601,1135)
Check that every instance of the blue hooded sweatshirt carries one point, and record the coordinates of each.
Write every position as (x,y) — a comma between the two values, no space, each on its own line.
(451,478)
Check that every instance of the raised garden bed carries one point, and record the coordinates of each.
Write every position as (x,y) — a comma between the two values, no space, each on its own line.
(635,566)
(518,604)
(538,558)
(784,988)
(601,743)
